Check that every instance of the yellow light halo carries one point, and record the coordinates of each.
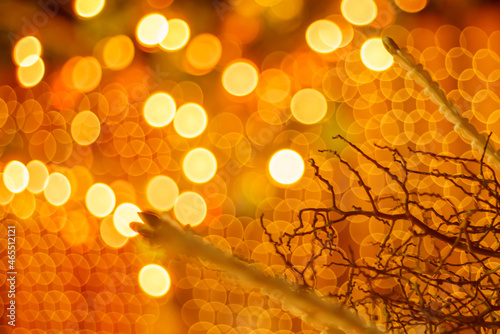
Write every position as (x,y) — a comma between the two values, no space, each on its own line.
(190,120)
(177,36)
(152,29)
(100,200)
(359,12)
(154,280)
(159,109)
(240,78)
(375,56)
(190,208)
(26,47)
(88,8)
(199,165)
(323,36)
(286,166)
(125,214)
(16,176)
(162,192)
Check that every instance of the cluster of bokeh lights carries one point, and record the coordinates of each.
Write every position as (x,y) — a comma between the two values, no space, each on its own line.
(100,134)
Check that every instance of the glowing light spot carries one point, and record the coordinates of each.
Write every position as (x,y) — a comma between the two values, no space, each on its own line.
(100,200)
(58,189)
(199,165)
(411,6)
(85,128)
(118,52)
(190,208)
(159,109)
(31,71)
(177,36)
(323,36)
(286,166)
(308,106)
(125,214)
(162,192)
(16,176)
(375,56)
(5,194)
(190,120)
(359,12)
(88,8)
(26,47)
(152,29)
(204,51)
(110,234)
(154,280)
(38,176)
(240,78)
(87,74)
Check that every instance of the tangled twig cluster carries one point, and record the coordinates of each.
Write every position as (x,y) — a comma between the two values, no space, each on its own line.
(435,267)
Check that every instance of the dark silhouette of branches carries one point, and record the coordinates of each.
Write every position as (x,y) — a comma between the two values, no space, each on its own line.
(435,268)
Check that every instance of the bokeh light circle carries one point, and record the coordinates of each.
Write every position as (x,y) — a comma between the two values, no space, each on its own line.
(88,8)
(152,29)
(359,12)
(323,36)
(125,214)
(16,176)
(85,127)
(375,56)
(58,189)
(162,192)
(100,200)
(286,166)
(240,78)
(154,280)
(190,120)
(308,106)
(199,165)
(159,109)
(190,208)
(177,36)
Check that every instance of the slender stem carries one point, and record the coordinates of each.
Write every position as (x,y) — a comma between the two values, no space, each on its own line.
(168,234)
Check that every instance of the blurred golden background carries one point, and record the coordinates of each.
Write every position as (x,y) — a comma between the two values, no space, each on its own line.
(209,110)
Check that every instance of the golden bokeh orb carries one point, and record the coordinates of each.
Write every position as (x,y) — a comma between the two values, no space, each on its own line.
(125,214)
(88,8)
(162,192)
(177,36)
(240,78)
(26,47)
(308,106)
(190,120)
(154,280)
(58,189)
(38,176)
(31,71)
(286,166)
(375,56)
(100,200)
(159,109)
(323,36)
(190,208)
(85,127)
(199,165)
(16,176)
(152,29)
(359,12)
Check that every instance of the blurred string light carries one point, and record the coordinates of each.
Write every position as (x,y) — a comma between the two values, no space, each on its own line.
(199,165)
(85,128)
(38,176)
(411,6)
(27,56)
(190,208)
(375,56)
(323,36)
(240,78)
(286,166)
(177,36)
(190,120)
(16,176)
(162,192)
(154,280)
(58,189)
(159,109)
(100,200)
(86,9)
(308,106)
(359,12)
(125,214)
(118,52)
(152,29)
